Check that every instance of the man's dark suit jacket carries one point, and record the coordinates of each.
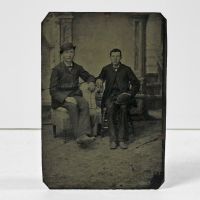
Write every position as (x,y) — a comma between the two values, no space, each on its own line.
(65,82)
(124,78)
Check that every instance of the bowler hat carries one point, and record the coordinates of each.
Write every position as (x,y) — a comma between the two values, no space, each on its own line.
(123,98)
(66,46)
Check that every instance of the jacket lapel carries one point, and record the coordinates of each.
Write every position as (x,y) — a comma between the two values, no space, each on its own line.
(118,69)
(66,68)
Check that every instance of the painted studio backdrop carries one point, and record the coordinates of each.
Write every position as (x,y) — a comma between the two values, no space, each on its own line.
(135,162)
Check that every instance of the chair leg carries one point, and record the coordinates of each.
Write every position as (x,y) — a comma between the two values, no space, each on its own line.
(65,135)
(132,127)
(103,119)
(99,129)
(54,131)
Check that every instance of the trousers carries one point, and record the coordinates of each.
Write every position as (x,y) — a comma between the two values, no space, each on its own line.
(117,113)
(79,116)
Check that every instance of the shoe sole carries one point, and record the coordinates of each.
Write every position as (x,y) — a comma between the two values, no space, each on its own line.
(123,147)
(85,142)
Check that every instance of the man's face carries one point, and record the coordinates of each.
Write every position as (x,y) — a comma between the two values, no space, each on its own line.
(68,55)
(115,58)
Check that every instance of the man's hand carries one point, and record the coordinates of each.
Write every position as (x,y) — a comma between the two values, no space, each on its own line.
(91,86)
(99,83)
(71,100)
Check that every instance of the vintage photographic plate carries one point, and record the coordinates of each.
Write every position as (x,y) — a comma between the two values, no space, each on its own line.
(103,100)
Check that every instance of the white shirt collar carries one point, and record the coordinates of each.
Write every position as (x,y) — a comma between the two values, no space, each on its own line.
(116,67)
(67,65)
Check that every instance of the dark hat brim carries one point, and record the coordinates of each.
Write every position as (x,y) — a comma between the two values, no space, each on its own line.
(66,49)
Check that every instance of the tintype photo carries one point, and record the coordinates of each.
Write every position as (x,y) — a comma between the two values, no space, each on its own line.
(103,100)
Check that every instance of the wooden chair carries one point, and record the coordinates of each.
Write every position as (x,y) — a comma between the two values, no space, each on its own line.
(61,123)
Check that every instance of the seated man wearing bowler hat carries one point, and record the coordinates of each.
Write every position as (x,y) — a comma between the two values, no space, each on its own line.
(65,92)
(117,95)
